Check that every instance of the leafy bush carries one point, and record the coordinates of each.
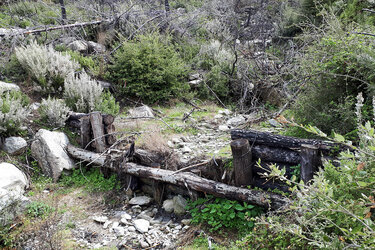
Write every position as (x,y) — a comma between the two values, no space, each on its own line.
(92,179)
(220,213)
(82,93)
(86,62)
(54,111)
(338,66)
(14,110)
(108,104)
(47,67)
(149,68)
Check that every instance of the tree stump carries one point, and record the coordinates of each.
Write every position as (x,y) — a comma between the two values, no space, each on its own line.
(241,152)
(97,127)
(310,161)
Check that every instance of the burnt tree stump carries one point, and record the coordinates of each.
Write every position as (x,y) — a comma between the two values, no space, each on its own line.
(310,161)
(241,152)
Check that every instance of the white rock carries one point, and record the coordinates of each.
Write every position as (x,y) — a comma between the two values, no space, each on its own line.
(126,216)
(131,229)
(115,224)
(14,145)
(12,187)
(144,216)
(194,76)
(170,144)
(106,224)
(35,106)
(4,86)
(143,111)
(168,206)
(219,116)
(100,219)
(79,45)
(119,231)
(237,120)
(195,82)
(142,225)
(49,150)
(144,244)
(186,221)
(223,128)
(225,112)
(140,200)
(176,140)
(186,150)
(12,179)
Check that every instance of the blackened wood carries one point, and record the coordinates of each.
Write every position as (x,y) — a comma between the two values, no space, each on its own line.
(98,131)
(242,162)
(147,158)
(108,119)
(272,154)
(86,134)
(310,162)
(73,123)
(110,134)
(63,11)
(270,185)
(281,141)
(194,182)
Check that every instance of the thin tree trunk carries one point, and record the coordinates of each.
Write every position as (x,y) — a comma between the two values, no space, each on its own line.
(63,11)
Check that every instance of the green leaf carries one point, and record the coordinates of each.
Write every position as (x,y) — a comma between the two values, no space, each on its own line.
(339,138)
(239,207)
(362,183)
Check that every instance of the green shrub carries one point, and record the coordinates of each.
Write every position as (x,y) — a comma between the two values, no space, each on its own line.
(150,68)
(92,180)
(221,213)
(339,66)
(108,104)
(87,63)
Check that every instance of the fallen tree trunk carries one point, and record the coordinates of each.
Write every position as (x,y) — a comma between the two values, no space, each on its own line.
(194,182)
(189,181)
(281,141)
(18,32)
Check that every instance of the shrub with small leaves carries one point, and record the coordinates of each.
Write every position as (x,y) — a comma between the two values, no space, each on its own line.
(47,67)
(108,104)
(54,111)
(82,93)
(14,109)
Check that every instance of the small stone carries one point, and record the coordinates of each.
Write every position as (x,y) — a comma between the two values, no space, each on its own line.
(100,219)
(225,112)
(170,144)
(223,128)
(106,224)
(79,45)
(195,82)
(14,145)
(126,216)
(144,244)
(194,76)
(168,206)
(219,116)
(274,123)
(186,150)
(176,140)
(124,221)
(140,200)
(131,229)
(144,216)
(185,222)
(237,120)
(142,225)
(178,227)
(119,231)
(115,224)
(141,112)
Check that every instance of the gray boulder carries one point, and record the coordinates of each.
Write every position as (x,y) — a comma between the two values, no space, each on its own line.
(96,47)
(12,187)
(179,204)
(49,150)
(140,200)
(168,206)
(142,225)
(14,145)
(79,45)
(143,111)
(4,86)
